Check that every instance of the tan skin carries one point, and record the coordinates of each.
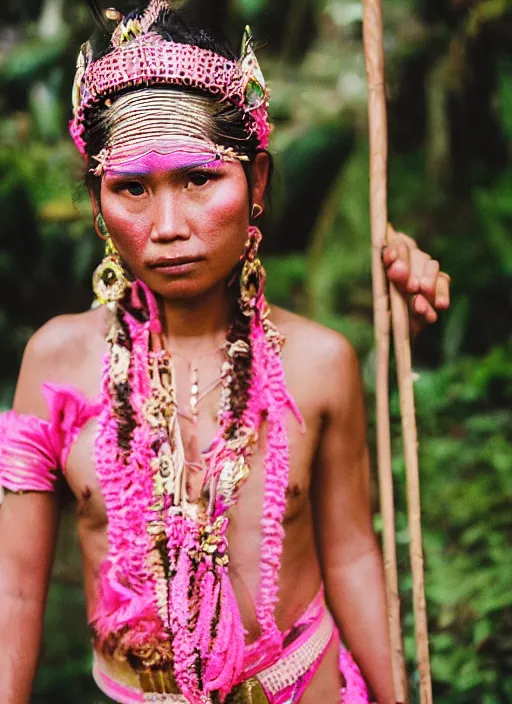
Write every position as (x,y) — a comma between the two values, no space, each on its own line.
(328,525)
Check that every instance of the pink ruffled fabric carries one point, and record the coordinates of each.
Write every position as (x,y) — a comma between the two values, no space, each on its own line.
(69,410)
(355,691)
(32,450)
(28,456)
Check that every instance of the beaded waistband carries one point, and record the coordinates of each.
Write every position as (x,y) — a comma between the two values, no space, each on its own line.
(125,686)
(295,664)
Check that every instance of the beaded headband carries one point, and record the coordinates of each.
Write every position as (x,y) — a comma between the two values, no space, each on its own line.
(141,57)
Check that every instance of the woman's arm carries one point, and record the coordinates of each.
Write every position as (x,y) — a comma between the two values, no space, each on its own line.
(349,552)
(28,528)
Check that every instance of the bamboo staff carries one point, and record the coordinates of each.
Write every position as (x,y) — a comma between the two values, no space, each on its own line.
(374,55)
(402,347)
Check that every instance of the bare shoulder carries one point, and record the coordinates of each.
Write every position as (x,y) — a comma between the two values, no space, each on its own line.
(314,344)
(322,369)
(65,350)
(321,365)
(66,337)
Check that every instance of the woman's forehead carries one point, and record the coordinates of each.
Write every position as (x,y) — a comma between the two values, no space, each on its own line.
(151,127)
(159,110)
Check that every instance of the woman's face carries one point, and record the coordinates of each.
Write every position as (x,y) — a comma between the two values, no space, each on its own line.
(182,231)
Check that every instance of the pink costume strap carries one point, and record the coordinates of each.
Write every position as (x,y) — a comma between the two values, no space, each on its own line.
(286,678)
(117,691)
(32,450)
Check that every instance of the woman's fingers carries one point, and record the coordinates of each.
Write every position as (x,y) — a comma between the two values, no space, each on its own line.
(442,301)
(397,263)
(421,308)
(426,273)
(419,263)
(428,281)
(417,276)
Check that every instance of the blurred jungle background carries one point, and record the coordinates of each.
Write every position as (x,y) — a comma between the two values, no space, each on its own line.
(450,103)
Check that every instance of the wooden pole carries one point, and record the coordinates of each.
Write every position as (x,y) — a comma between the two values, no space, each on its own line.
(402,347)
(374,56)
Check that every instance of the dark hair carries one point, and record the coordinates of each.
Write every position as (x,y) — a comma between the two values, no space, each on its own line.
(229,122)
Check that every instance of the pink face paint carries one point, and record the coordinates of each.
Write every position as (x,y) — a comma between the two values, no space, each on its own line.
(154,161)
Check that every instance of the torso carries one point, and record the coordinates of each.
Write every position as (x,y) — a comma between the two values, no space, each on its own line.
(300,576)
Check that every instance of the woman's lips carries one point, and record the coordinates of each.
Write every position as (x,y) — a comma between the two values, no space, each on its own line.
(174,266)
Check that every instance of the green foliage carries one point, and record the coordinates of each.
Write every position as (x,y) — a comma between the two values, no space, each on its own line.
(32,61)
(465,421)
(450,186)
(252,8)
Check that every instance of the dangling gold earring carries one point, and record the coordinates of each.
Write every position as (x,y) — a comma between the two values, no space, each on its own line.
(109,280)
(101,227)
(252,277)
(256,211)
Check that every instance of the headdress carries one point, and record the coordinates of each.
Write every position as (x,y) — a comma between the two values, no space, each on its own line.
(140,57)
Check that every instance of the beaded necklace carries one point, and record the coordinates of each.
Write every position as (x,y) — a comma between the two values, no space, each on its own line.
(165,598)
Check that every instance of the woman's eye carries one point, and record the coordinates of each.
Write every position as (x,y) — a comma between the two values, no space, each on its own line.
(134,188)
(198,178)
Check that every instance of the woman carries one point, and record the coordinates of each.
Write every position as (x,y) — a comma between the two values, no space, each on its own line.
(182,422)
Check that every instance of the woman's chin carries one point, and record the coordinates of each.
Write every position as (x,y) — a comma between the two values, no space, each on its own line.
(183,289)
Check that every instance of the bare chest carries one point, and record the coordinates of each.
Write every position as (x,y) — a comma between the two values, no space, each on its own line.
(81,476)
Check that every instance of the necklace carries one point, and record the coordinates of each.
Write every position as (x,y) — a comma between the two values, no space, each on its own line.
(195,463)
(166,600)
(196,394)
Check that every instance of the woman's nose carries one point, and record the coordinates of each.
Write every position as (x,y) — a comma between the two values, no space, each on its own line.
(169,222)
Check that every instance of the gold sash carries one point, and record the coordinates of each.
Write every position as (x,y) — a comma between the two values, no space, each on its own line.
(249,692)
(160,683)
